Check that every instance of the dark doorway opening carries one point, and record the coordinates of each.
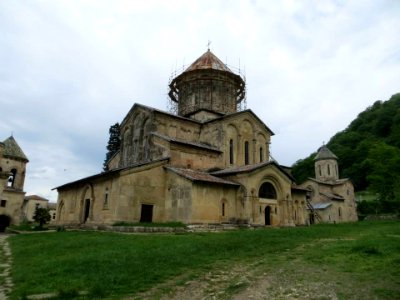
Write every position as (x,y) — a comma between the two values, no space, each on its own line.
(146,216)
(4,222)
(267,213)
(312,220)
(86,211)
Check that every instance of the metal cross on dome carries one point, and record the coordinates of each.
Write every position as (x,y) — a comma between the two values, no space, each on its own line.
(208,45)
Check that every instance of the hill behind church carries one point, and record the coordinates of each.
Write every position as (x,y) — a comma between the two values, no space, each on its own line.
(368,151)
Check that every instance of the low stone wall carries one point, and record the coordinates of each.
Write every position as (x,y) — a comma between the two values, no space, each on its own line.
(146,229)
(382,217)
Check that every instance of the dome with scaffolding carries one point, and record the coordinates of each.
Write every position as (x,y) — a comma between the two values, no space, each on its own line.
(207,85)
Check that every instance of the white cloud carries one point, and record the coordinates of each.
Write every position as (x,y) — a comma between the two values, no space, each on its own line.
(70,69)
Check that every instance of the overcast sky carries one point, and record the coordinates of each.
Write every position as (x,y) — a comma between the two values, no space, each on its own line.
(70,69)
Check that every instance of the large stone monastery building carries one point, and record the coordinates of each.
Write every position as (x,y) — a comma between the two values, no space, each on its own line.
(209,163)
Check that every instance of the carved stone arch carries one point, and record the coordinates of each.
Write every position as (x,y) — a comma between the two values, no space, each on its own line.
(246,127)
(60,211)
(126,144)
(86,203)
(144,138)
(232,143)
(275,185)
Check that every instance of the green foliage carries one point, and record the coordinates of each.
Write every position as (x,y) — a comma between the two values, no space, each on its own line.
(41,216)
(114,144)
(368,151)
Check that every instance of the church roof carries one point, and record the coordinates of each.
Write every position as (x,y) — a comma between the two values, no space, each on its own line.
(111,172)
(195,175)
(35,197)
(187,143)
(238,113)
(324,153)
(250,168)
(320,205)
(331,182)
(208,61)
(332,196)
(13,150)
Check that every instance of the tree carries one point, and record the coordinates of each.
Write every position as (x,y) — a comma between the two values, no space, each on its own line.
(114,144)
(41,216)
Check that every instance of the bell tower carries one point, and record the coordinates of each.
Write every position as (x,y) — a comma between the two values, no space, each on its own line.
(207,85)
(326,166)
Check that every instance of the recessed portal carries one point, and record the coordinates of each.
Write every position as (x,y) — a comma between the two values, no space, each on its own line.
(267,213)
(4,222)
(146,215)
(87,209)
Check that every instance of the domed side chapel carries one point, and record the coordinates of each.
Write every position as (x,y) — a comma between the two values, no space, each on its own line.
(209,163)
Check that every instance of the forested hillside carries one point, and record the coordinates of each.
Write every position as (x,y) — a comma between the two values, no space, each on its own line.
(368,151)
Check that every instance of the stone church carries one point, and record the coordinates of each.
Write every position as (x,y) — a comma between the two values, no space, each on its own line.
(12,177)
(208,163)
(332,199)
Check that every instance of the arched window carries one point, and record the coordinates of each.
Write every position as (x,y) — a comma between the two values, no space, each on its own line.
(267,191)
(329,170)
(11,179)
(319,169)
(105,204)
(246,153)
(231,151)
(223,209)
(261,154)
(340,211)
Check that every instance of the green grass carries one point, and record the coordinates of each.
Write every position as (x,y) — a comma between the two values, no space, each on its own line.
(363,256)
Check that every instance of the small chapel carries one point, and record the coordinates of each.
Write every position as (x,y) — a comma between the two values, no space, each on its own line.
(331,199)
(207,163)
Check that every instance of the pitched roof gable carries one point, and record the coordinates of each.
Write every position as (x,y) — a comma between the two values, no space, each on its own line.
(13,150)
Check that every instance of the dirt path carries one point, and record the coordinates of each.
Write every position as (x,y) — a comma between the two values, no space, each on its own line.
(5,267)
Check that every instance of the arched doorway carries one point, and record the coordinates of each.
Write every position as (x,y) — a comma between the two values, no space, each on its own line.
(267,215)
(4,222)
(86,211)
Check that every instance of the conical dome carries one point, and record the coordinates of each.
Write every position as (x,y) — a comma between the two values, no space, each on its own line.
(207,85)
(13,150)
(325,153)
(208,61)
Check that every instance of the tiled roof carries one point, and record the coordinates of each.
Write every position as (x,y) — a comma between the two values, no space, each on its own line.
(331,182)
(320,205)
(35,197)
(238,113)
(99,175)
(324,153)
(208,61)
(250,168)
(194,144)
(195,175)
(12,149)
(332,196)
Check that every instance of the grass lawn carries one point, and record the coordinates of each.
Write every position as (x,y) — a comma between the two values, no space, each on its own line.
(355,261)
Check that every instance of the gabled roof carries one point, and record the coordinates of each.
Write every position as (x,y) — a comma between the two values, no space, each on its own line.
(332,196)
(35,197)
(231,115)
(111,172)
(187,143)
(208,61)
(331,182)
(251,168)
(152,109)
(194,175)
(319,206)
(324,153)
(13,150)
